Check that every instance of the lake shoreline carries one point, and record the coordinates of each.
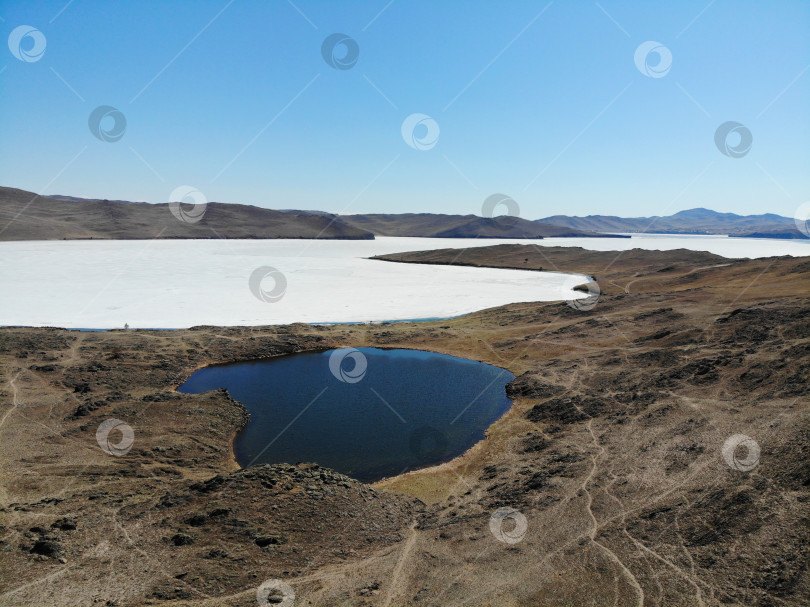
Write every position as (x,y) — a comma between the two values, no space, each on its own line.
(248,417)
(633,400)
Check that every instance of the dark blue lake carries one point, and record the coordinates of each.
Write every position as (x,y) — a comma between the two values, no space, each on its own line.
(366,412)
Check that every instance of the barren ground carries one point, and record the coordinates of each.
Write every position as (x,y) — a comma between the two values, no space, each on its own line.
(612,452)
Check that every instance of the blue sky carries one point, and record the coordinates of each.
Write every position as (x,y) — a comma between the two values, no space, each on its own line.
(540,101)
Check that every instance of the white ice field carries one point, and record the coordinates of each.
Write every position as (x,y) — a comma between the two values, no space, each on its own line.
(182,283)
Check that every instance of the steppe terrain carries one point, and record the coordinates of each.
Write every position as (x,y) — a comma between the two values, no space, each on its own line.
(29,216)
(613,453)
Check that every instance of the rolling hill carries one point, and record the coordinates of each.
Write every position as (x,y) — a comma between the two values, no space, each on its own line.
(692,221)
(27,216)
(433,225)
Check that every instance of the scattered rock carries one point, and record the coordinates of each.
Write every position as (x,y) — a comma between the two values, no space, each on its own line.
(48,548)
(182,539)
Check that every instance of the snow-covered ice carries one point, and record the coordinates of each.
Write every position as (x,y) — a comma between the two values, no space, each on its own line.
(182,283)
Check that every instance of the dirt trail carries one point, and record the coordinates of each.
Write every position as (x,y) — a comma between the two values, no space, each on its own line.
(632,580)
(75,354)
(398,584)
(14,397)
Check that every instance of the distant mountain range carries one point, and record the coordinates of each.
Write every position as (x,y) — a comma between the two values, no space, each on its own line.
(27,216)
(432,225)
(80,199)
(692,221)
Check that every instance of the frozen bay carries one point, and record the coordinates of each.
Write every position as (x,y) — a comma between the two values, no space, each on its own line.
(182,283)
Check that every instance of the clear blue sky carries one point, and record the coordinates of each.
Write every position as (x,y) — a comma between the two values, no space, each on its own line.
(550,109)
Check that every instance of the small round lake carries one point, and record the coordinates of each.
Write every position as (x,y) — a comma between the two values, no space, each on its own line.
(367,413)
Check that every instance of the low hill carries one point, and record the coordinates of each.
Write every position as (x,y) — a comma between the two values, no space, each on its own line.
(783,234)
(692,221)
(28,216)
(434,225)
